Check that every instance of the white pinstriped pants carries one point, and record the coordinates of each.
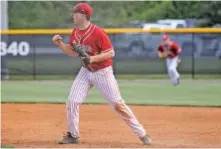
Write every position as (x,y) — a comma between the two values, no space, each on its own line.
(172,64)
(106,83)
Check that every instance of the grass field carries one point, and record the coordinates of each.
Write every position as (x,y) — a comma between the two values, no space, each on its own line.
(7,146)
(138,92)
(142,92)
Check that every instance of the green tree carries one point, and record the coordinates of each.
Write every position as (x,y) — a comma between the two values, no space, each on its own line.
(39,14)
(57,14)
(210,13)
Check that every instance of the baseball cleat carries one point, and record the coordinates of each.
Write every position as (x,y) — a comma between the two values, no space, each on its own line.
(68,139)
(177,81)
(146,140)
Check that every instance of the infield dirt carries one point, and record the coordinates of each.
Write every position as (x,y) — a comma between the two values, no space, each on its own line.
(42,125)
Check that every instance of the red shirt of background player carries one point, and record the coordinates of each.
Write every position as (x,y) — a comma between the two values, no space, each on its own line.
(95,41)
(169,46)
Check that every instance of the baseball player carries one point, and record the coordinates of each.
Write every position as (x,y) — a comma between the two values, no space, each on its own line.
(171,51)
(92,45)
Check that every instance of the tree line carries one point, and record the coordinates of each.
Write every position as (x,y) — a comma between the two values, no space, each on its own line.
(57,14)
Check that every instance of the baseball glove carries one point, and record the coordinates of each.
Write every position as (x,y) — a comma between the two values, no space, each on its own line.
(84,57)
(162,55)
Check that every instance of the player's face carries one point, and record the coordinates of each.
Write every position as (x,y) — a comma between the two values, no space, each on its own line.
(166,43)
(78,18)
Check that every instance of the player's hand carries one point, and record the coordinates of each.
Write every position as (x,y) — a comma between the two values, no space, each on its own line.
(91,59)
(57,39)
(170,53)
(166,53)
(162,54)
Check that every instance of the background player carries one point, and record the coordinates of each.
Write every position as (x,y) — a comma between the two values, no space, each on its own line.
(171,51)
(100,74)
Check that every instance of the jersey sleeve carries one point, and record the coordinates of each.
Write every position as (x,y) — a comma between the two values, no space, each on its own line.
(160,49)
(103,41)
(71,38)
(175,48)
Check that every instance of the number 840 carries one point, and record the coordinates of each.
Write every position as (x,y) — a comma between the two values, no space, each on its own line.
(15,48)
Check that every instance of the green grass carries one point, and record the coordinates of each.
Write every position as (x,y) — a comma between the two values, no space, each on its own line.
(152,92)
(7,146)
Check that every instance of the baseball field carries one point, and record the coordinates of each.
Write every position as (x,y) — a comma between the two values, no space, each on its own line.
(188,115)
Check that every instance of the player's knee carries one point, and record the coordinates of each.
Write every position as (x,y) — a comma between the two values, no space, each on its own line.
(121,108)
(171,70)
(73,99)
(70,104)
(69,99)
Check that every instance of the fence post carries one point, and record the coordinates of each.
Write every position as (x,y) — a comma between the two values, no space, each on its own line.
(34,61)
(114,58)
(114,68)
(193,57)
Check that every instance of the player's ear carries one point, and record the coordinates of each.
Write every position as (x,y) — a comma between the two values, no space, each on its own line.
(88,18)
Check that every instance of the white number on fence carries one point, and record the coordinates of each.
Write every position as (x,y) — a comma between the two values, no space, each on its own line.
(3,47)
(23,48)
(15,48)
(12,48)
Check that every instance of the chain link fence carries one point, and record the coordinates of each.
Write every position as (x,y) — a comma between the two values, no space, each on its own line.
(135,54)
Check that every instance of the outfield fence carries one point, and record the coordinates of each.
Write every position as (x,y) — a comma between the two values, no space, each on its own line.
(31,52)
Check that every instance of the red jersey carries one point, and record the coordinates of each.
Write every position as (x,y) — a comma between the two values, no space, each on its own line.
(95,41)
(172,48)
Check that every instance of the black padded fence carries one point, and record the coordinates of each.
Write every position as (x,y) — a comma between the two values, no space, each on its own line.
(135,54)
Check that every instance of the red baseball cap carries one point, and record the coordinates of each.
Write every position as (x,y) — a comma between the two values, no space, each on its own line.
(166,37)
(83,8)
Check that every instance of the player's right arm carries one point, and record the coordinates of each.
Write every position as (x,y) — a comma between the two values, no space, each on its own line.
(160,52)
(66,48)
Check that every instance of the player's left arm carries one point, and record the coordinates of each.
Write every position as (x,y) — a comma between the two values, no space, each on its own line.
(161,52)
(107,50)
(177,50)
